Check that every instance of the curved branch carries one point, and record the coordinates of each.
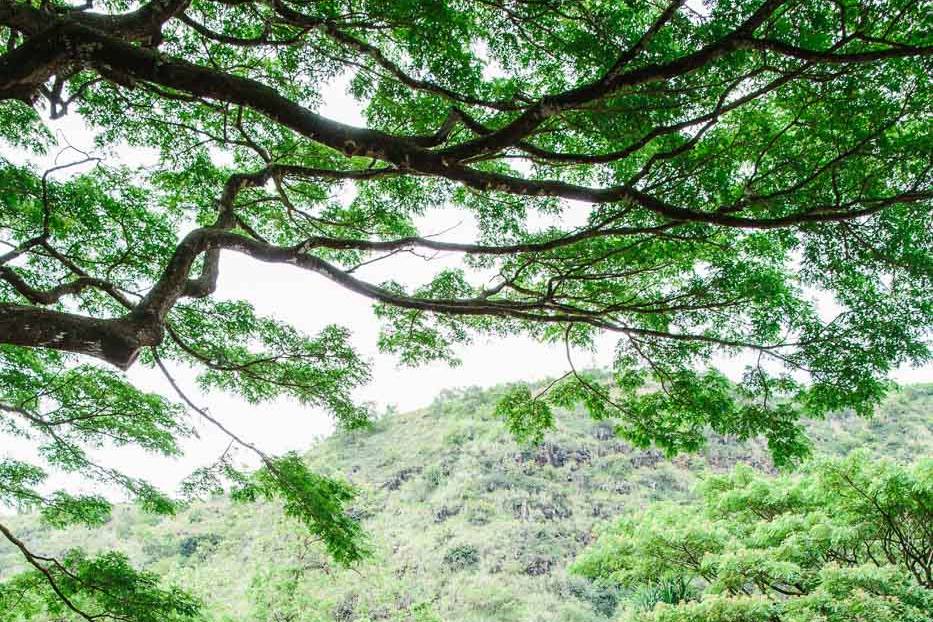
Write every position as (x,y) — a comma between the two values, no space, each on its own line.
(35,561)
(832,57)
(53,295)
(117,341)
(403,152)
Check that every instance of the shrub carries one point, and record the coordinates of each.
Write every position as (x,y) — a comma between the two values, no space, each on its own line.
(461,557)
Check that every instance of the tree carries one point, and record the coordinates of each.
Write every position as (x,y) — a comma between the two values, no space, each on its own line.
(728,165)
(849,539)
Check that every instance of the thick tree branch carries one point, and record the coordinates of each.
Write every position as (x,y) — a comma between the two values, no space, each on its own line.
(403,152)
(109,44)
(831,56)
(117,341)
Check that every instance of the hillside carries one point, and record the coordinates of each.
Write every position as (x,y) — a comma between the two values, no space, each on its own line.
(465,524)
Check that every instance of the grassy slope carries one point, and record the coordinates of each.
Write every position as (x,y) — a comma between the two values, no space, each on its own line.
(465,525)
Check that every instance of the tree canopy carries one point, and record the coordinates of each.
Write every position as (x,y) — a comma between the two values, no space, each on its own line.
(744,176)
(849,539)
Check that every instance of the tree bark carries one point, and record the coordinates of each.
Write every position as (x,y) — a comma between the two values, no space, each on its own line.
(116,341)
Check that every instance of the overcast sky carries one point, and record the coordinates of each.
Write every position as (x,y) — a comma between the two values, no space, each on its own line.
(310,302)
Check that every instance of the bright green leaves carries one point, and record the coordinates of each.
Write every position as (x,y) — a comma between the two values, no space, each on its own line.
(416,338)
(526,416)
(501,218)
(17,478)
(64,509)
(21,126)
(675,416)
(711,609)
(879,594)
(261,359)
(878,270)
(192,190)
(20,488)
(85,405)
(321,504)
(419,336)
(386,207)
(70,411)
(845,539)
(79,587)
(318,502)
(214,479)
(138,241)
(587,389)
(98,405)
(657,547)
(677,408)
(19,484)
(877,494)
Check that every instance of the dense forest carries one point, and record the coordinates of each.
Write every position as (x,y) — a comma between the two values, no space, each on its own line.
(464,523)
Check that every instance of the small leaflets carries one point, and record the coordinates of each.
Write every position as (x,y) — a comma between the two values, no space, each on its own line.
(676,409)
(79,587)
(260,358)
(20,487)
(21,126)
(69,410)
(527,417)
(420,337)
(64,509)
(319,503)
(846,539)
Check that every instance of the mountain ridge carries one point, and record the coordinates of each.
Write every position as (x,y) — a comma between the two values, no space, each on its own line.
(464,523)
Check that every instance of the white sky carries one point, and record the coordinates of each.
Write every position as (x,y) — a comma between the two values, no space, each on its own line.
(310,302)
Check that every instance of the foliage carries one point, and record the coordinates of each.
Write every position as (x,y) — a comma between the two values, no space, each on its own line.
(526,417)
(527,510)
(319,502)
(79,407)
(848,538)
(728,178)
(80,584)
(461,557)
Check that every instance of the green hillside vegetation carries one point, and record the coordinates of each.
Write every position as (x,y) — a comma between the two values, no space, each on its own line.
(464,523)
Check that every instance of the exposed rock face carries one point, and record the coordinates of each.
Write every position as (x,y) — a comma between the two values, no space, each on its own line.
(402,476)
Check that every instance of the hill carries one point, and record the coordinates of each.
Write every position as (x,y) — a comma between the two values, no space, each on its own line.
(465,524)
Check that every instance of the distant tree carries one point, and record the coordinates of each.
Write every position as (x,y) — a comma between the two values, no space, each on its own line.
(848,539)
(691,177)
